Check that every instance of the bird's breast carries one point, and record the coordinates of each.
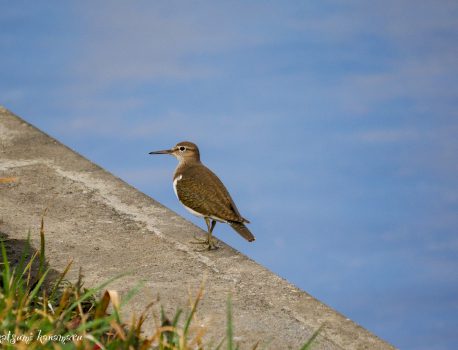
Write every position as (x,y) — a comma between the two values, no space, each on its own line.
(175,182)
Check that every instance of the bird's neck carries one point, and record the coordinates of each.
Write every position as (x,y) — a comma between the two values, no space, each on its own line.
(185,163)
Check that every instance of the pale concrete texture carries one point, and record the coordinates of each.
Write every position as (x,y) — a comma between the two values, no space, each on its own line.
(109,227)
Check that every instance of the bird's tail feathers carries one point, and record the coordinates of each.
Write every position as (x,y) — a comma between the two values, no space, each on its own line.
(242,230)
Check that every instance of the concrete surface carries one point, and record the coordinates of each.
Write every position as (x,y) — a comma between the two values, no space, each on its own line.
(108,227)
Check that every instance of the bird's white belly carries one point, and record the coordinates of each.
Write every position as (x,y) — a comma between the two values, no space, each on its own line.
(193,212)
(202,216)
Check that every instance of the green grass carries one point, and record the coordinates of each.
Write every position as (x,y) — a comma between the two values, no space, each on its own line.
(38,314)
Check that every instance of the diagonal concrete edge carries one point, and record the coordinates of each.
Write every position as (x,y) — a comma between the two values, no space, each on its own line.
(108,227)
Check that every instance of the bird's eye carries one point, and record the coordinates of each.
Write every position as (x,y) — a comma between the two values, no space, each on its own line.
(182,148)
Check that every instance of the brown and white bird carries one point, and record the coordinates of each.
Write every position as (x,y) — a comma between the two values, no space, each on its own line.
(203,194)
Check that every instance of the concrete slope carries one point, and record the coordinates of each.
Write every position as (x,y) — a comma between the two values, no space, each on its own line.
(108,227)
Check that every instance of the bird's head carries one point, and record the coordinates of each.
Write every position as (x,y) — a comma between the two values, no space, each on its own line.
(183,151)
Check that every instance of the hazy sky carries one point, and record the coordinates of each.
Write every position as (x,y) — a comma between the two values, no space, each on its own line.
(333,123)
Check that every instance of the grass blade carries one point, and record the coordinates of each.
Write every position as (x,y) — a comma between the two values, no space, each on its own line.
(6,270)
(59,281)
(308,345)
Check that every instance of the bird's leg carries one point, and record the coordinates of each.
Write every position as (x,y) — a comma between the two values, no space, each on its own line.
(209,241)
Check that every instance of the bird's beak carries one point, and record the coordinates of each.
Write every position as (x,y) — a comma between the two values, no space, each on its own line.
(166,151)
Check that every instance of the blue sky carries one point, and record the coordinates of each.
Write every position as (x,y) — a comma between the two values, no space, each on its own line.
(333,124)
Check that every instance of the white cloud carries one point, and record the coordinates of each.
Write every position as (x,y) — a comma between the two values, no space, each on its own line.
(143,41)
(416,61)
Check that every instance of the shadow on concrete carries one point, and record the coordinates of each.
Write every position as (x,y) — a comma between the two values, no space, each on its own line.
(21,249)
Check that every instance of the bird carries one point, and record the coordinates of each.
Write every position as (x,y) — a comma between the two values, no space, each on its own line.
(203,194)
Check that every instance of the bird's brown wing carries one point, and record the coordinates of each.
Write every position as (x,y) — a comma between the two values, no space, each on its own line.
(202,191)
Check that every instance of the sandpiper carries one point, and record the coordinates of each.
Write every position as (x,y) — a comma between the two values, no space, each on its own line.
(203,194)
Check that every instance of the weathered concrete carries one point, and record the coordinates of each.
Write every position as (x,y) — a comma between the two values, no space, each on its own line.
(108,227)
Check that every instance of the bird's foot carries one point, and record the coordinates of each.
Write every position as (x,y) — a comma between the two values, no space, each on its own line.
(198,240)
(209,243)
